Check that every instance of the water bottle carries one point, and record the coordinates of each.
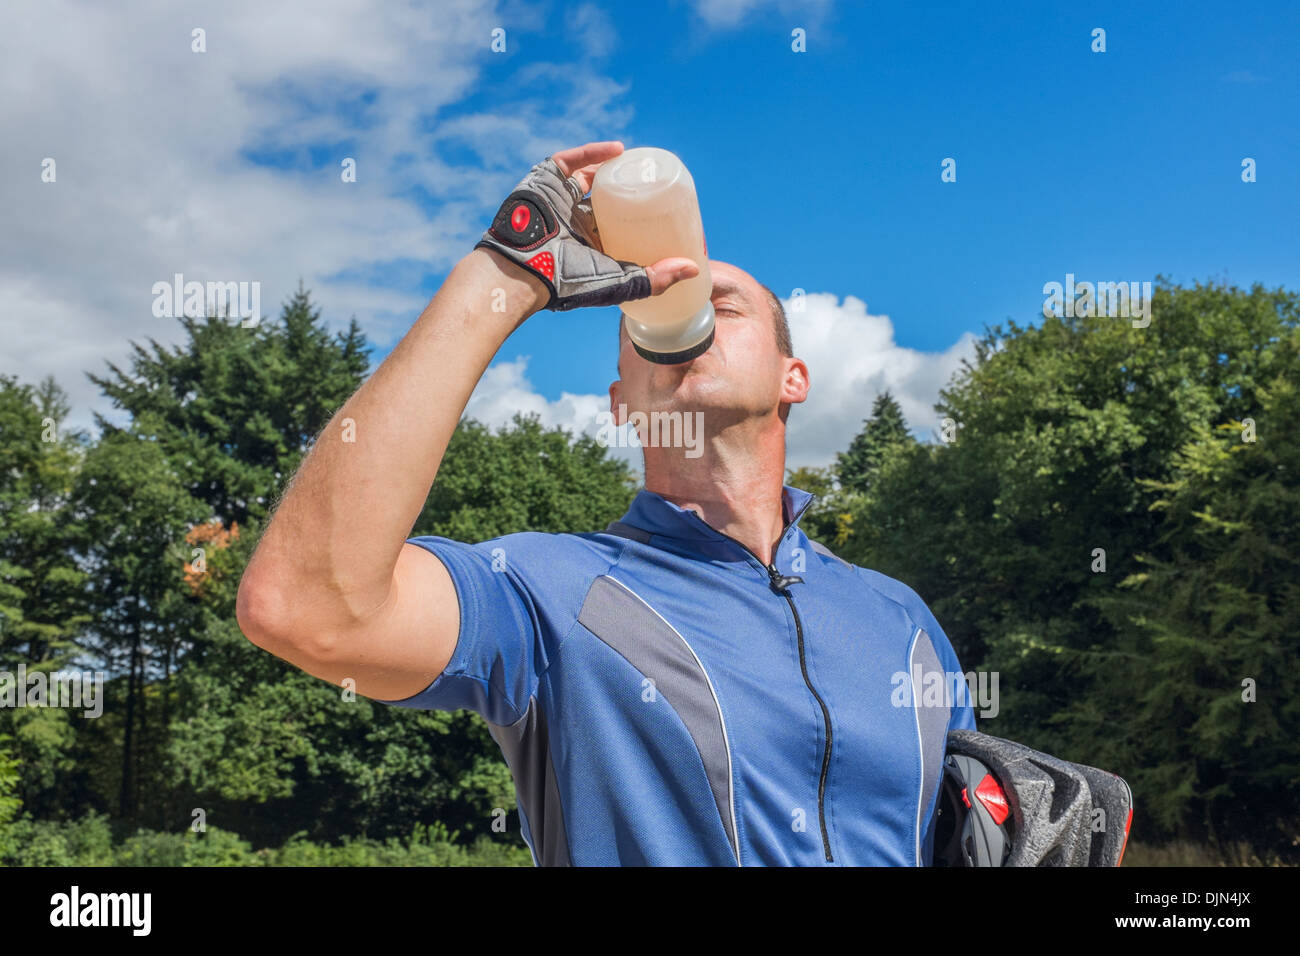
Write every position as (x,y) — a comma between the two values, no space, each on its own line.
(645,208)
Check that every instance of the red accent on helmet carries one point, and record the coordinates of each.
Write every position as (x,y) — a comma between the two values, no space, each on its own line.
(1127,823)
(519,218)
(544,263)
(994,800)
(965,799)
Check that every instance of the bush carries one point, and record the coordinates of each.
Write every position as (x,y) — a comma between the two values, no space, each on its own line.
(88,842)
(84,842)
(1186,853)
(427,846)
(215,847)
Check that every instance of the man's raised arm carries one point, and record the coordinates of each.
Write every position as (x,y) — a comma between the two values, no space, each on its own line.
(333,587)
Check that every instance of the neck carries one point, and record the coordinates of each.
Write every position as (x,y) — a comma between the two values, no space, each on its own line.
(735,484)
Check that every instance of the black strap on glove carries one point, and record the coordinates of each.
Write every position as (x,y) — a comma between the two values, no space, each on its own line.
(546,227)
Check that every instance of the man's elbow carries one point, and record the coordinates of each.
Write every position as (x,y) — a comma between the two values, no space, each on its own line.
(269,618)
(259,613)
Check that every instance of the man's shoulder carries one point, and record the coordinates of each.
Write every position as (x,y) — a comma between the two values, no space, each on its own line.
(891,588)
(550,572)
(533,544)
(539,561)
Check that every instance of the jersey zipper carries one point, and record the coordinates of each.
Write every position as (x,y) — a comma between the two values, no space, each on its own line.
(780,584)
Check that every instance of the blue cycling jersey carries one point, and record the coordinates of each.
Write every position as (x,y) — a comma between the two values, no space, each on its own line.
(663,698)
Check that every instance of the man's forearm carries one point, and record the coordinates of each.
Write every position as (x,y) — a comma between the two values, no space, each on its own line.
(328,554)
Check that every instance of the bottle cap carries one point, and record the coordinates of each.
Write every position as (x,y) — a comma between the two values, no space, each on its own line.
(674,344)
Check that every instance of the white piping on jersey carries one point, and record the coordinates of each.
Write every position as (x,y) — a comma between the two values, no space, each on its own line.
(731,783)
(920,743)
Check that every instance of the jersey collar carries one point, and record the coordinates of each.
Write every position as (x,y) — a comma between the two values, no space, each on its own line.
(656,514)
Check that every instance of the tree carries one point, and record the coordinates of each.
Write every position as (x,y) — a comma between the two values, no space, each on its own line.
(42,603)
(882,435)
(524,478)
(236,408)
(1211,629)
(1021,531)
(136,513)
(39,578)
(9,803)
(827,519)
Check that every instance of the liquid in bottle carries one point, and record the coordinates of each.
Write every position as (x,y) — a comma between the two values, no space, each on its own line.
(646,209)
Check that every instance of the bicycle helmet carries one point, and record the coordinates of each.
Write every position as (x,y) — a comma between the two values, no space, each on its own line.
(1004,804)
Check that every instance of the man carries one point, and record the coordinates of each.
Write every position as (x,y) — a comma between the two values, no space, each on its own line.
(698,684)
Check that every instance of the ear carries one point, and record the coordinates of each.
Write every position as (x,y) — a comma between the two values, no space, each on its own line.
(616,406)
(796,384)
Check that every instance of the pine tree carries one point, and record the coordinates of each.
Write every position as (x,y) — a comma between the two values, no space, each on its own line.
(883,434)
(235,409)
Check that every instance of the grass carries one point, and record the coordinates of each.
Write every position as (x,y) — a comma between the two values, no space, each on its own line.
(1197,854)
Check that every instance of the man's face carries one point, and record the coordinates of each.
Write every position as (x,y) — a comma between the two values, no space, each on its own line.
(742,374)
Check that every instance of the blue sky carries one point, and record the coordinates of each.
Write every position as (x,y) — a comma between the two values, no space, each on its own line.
(817,170)
(822,170)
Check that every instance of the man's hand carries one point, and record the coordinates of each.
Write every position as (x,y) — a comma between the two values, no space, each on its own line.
(546,228)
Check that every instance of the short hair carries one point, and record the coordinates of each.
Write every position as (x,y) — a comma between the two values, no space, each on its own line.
(780,324)
(779,320)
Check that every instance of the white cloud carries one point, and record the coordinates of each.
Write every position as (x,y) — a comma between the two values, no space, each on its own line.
(152,143)
(723,14)
(594,30)
(155,146)
(505,389)
(852,357)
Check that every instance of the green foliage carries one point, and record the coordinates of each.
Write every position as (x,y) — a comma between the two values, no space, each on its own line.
(842,487)
(882,436)
(9,803)
(84,842)
(42,602)
(524,478)
(39,579)
(426,846)
(235,409)
(823,519)
(89,842)
(135,512)
(1074,435)
(1217,606)
(1086,435)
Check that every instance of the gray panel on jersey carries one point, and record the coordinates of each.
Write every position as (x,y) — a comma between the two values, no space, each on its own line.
(933,721)
(526,746)
(625,622)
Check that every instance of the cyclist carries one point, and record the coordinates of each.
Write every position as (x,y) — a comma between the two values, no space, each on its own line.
(699,683)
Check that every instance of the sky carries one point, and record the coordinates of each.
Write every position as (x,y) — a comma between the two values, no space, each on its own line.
(817,170)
